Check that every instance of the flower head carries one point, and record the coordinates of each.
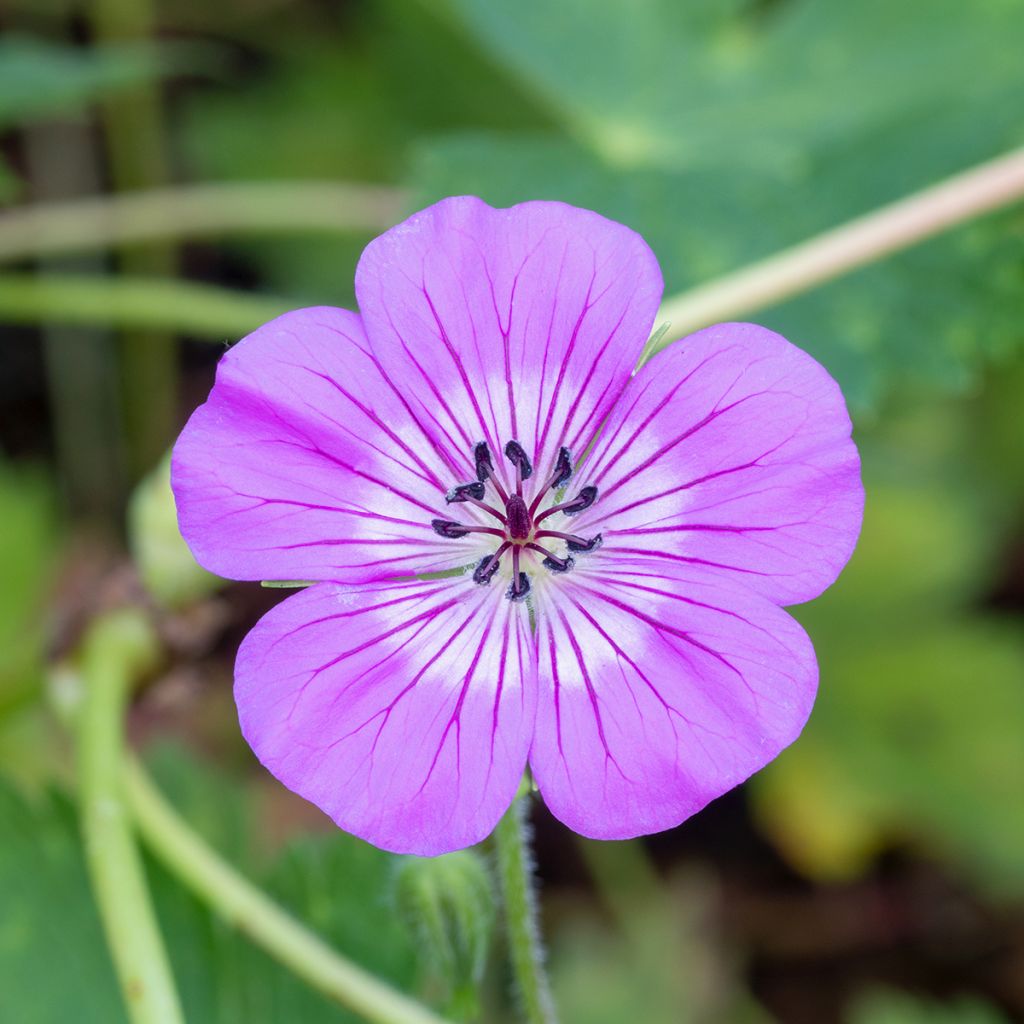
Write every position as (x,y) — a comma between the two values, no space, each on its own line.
(524,552)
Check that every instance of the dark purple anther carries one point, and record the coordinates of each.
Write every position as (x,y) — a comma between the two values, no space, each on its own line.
(487,567)
(583,500)
(482,457)
(584,547)
(446,528)
(518,589)
(463,492)
(518,516)
(555,564)
(516,454)
(563,468)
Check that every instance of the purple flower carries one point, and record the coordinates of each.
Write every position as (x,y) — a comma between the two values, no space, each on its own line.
(524,552)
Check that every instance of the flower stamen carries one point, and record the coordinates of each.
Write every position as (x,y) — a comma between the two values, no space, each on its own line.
(577,544)
(561,475)
(583,500)
(551,560)
(452,530)
(519,520)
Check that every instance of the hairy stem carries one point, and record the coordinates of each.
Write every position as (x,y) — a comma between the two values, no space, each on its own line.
(515,869)
(245,907)
(196,211)
(116,650)
(867,239)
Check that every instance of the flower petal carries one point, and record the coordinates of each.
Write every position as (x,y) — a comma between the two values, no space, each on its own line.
(661,688)
(304,463)
(510,324)
(403,711)
(731,450)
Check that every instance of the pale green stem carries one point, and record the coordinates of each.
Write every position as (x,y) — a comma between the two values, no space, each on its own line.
(248,909)
(200,310)
(117,648)
(865,240)
(196,211)
(515,870)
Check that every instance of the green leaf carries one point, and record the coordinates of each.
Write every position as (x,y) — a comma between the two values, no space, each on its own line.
(658,83)
(882,1007)
(28,550)
(40,79)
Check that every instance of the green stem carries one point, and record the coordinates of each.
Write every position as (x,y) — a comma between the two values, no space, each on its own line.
(133,130)
(244,906)
(867,239)
(515,869)
(200,310)
(196,211)
(116,650)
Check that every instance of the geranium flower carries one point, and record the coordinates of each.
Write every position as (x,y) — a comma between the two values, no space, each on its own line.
(523,553)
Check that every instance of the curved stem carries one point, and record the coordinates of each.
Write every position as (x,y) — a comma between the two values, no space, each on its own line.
(899,225)
(196,211)
(515,869)
(117,648)
(244,906)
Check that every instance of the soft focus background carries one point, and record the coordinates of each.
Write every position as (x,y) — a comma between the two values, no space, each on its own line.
(875,873)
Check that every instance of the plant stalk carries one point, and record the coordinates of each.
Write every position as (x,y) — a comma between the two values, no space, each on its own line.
(245,907)
(116,650)
(515,870)
(961,198)
(196,211)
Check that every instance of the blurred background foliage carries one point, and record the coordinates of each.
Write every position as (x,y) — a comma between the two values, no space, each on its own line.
(885,850)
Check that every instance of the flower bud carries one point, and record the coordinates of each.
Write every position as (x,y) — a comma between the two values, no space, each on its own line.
(449,903)
(165,564)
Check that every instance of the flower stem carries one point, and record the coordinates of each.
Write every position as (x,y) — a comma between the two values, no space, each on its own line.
(116,650)
(196,211)
(199,310)
(515,868)
(865,240)
(244,906)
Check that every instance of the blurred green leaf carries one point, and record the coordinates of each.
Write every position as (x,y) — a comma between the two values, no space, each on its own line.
(883,1007)
(711,83)
(346,105)
(41,79)
(28,550)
